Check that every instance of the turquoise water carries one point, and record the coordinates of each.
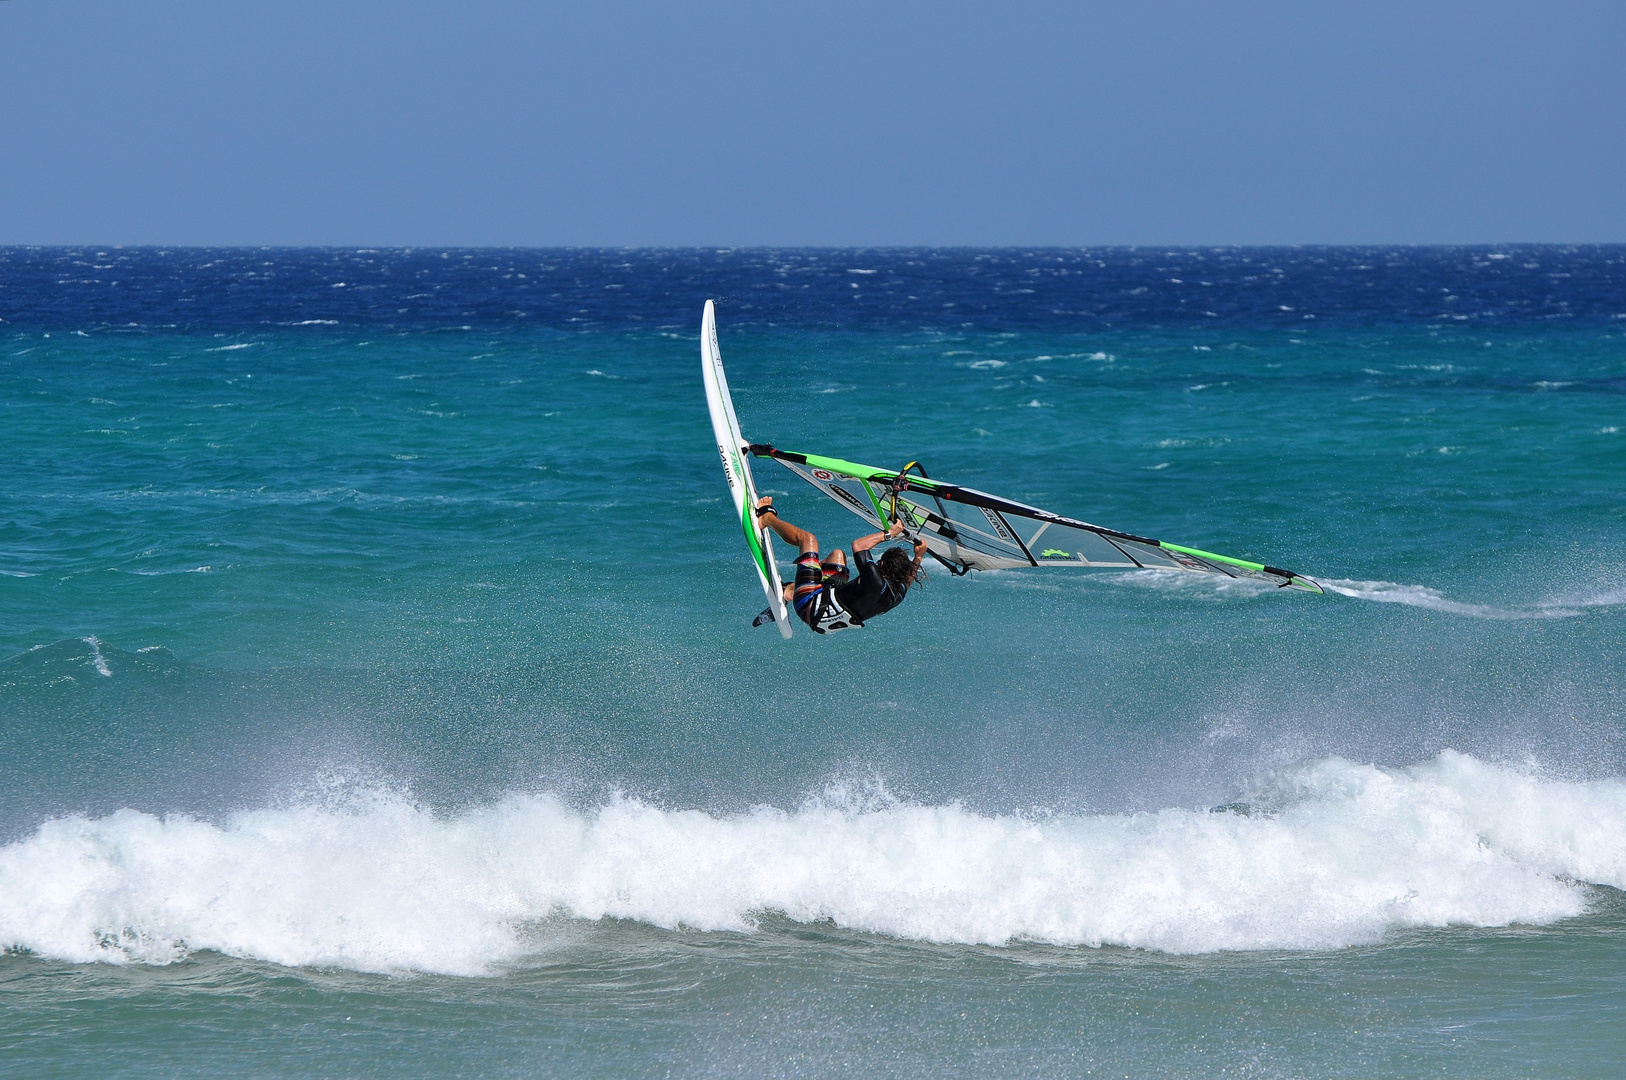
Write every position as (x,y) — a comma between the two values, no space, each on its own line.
(380,694)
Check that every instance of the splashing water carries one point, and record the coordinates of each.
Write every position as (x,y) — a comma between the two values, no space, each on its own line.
(1326,854)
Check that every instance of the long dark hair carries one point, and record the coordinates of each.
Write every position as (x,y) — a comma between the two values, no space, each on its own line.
(897,569)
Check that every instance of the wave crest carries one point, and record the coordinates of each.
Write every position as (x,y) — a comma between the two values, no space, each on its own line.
(1326,854)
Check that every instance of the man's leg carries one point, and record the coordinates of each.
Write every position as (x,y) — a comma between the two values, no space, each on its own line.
(804,592)
(800,539)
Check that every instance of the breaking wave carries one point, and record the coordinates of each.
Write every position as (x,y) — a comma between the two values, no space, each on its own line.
(1326,854)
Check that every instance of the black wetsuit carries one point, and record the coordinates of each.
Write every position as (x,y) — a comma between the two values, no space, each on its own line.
(868,594)
(826,606)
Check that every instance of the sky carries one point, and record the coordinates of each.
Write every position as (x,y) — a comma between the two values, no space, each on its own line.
(502,122)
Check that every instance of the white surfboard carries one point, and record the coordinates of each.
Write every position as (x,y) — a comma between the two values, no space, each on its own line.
(731,446)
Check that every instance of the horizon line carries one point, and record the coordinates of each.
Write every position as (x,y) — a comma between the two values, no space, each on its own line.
(724,248)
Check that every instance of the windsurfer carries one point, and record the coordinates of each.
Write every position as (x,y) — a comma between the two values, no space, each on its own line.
(823,596)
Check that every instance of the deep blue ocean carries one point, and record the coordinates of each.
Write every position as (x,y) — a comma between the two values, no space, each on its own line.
(379,696)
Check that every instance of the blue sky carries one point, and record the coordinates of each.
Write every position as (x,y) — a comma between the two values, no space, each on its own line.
(358,122)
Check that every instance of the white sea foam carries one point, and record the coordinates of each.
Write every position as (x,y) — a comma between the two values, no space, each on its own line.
(1337,853)
(1564,606)
(97,658)
(1212,585)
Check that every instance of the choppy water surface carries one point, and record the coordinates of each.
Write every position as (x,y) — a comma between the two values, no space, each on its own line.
(378,693)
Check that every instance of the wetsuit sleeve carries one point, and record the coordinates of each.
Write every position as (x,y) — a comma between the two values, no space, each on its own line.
(868,573)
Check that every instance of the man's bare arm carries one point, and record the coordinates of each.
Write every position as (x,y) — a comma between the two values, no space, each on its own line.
(864,543)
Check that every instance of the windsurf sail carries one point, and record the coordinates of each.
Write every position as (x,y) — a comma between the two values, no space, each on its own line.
(967,530)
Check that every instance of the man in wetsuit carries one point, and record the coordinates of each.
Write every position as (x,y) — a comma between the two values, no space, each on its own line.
(822,595)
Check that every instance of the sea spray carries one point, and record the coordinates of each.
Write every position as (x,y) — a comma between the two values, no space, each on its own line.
(1326,854)
(1566,606)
